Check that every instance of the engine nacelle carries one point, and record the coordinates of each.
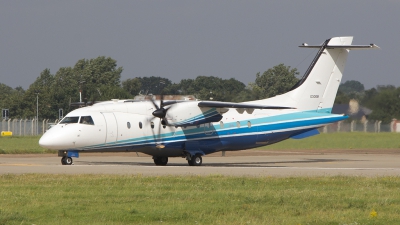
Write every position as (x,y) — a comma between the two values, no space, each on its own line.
(190,114)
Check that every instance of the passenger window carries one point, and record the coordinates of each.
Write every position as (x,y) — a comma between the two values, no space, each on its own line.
(152,125)
(86,120)
(72,119)
(221,124)
(140,125)
(128,125)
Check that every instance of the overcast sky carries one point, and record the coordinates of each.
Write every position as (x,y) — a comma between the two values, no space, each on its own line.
(185,39)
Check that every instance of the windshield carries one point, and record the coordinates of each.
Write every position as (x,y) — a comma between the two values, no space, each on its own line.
(86,120)
(72,119)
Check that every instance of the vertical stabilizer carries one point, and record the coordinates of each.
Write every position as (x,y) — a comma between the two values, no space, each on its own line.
(317,89)
(322,79)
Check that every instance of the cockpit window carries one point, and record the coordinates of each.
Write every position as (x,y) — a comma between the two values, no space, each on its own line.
(72,119)
(86,120)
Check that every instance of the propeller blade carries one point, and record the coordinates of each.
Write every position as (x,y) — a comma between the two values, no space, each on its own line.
(159,132)
(164,122)
(161,100)
(154,103)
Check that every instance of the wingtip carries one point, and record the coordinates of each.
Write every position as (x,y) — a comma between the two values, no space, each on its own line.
(375,46)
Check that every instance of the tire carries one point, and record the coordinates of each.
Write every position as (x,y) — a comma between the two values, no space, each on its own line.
(160,161)
(66,160)
(196,160)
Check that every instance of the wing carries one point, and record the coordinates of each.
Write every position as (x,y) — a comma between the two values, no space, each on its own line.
(190,113)
(214,104)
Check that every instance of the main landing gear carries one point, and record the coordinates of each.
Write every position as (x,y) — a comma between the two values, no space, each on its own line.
(195,160)
(160,161)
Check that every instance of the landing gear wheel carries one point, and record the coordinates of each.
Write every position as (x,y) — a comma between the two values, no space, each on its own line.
(66,160)
(160,161)
(196,160)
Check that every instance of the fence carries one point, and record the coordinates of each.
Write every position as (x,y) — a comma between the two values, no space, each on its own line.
(358,126)
(25,127)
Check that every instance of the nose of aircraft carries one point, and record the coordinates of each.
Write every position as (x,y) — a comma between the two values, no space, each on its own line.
(56,139)
(47,141)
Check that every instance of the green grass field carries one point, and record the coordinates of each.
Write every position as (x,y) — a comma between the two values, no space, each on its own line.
(356,140)
(108,199)
(21,145)
(134,199)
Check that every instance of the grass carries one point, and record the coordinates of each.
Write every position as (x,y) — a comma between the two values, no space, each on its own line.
(21,145)
(133,199)
(355,140)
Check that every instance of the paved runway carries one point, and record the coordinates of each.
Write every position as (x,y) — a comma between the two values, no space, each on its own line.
(253,163)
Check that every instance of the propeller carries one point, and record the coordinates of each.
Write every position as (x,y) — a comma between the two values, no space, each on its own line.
(160,111)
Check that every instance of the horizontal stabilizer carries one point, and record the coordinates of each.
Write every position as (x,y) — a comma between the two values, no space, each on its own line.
(214,104)
(349,47)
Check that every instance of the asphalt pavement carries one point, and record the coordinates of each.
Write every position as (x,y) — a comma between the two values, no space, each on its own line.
(251,163)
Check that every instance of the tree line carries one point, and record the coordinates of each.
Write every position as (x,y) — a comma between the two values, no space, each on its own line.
(383,100)
(99,79)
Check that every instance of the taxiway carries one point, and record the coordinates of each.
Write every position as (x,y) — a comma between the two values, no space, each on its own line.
(250,163)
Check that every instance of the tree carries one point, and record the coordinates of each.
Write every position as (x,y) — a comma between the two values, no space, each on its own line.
(342,98)
(94,74)
(153,85)
(41,89)
(275,81)
(246,95)
(385,104)
(351,86)
(16,102)
(11,99)
(112,92)
(368,96)
(6,93)
(209,87)
(232,89)
(65,89)
(99,79)
(350,89)
(132,86)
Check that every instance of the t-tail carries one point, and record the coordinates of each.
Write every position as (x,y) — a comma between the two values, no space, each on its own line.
(317,89)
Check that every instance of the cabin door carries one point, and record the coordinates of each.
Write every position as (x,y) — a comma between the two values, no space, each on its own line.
(111,127)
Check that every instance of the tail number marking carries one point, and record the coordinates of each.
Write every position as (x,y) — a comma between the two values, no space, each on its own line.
(314,96)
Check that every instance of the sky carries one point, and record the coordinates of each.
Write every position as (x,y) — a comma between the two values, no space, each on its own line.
(183,39)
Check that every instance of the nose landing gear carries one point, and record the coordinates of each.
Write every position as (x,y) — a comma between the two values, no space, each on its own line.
(66,160)
(67,156)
